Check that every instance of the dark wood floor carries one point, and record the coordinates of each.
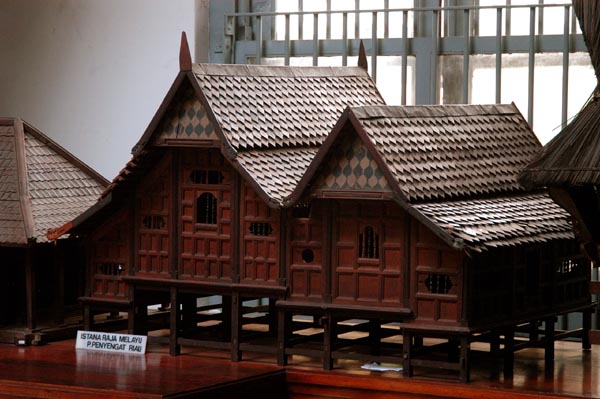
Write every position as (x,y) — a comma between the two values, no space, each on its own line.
(56,370)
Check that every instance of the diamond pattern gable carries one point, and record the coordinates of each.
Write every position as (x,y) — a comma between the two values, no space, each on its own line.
(451,151)
(185,120)
(350,166)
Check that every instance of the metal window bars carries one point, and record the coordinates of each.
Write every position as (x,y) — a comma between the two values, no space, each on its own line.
(422,35)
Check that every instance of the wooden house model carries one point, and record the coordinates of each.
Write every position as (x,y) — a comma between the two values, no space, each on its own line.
(41,186)
(298,185)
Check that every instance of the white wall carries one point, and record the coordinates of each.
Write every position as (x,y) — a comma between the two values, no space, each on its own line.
(90,73)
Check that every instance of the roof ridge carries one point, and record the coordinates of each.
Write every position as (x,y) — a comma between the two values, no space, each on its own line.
(280,71)
(432,110)
(22,179)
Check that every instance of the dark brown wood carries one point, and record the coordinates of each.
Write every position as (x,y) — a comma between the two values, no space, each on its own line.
(174,316)
(30,288)
(174,234)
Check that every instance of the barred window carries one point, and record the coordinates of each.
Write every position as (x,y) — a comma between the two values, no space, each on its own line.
(368,244)
(155,222)
(206,209)
(438,283)
(261,228)
(110,269)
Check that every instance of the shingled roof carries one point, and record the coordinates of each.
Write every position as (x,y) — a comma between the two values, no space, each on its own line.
(454,167)
(573,156)
(451,151)
(41,184)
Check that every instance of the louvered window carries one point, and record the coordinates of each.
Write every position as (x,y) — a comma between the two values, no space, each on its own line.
(368,243)
(206,209)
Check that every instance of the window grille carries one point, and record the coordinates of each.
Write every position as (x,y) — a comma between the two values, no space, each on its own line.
(206,209)
(261,228)
(368,244)
(438,283)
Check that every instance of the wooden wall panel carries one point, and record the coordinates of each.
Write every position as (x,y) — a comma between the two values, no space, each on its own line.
(368,245)
(205,215)
(153,200)
(305,258)
(436,278)
(260,232)
(110,256)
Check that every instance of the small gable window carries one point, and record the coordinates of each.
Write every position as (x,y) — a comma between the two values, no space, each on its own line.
(203,176)
(368,243)
(206,209)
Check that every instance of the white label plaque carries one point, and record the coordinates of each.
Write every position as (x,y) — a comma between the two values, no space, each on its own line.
(111,342)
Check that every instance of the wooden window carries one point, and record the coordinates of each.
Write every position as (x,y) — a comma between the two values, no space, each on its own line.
(153,222)
(438,283)
(110,269)
(308,255)
(568,266)
(261,228)
(203,176)
(368,243)
(206,209)
(301,211)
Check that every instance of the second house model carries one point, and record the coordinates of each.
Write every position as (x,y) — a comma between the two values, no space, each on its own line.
(286,209)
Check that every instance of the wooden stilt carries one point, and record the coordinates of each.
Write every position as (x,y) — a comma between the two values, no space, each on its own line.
(235,324)
(509,352)
(407,338)
(586,343)
(465,371)
(174,314)
(549,339)
(284,321)
(328,336)
(30,288)
(88,318)
(59,285)
(375,337)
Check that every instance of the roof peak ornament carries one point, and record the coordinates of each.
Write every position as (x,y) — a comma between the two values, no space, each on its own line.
(185,58)
(362,57)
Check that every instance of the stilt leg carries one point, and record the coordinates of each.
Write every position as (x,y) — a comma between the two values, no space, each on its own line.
(235,325)
(406,354)
(328,334)
(509,353)
(465,371)
(174,316)
(284,322)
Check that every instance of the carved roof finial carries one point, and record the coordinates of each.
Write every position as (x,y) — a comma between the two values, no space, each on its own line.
(185,58)
(362,57)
